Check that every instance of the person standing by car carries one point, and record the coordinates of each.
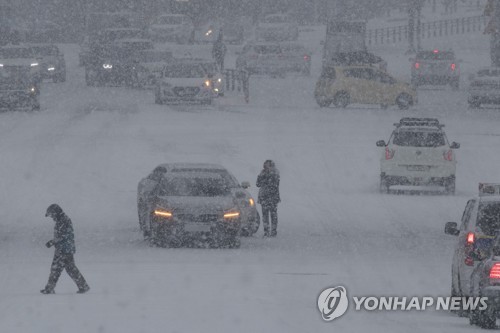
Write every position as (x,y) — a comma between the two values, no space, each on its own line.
(64,243)
(219,52)
(268,183)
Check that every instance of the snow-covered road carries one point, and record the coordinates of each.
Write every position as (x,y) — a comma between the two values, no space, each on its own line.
(88,148)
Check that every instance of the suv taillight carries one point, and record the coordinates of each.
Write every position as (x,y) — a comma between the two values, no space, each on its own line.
(417,65)
(453,66)
(469,247)
(471,238)
(389,153)
(448,155)
(495,271)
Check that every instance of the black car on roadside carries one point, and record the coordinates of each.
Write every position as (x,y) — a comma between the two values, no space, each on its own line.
(18,89)
(112,65)
(52,64)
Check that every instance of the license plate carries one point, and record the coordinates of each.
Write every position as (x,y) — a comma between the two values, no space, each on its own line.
(197,227)
(417,168)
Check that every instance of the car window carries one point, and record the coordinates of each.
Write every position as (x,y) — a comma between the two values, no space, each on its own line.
(467,214)
(432,55)
(195,187)
(419,139)
(359,73)
(488,218)
(384,78)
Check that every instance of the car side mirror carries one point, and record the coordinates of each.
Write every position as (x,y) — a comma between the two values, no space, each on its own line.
(455,145)
(381,143)
(451,228)
(245,184)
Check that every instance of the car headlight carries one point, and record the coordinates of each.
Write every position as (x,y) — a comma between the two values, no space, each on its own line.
(32,90)
(51,69)
(34,64)
(232,214)
(161,212)
(107,66)
(1,65)
(207,83)
(251,202)
(219,80)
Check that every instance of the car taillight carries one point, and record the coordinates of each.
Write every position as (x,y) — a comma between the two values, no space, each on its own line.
(469,247)
(452,67)
(448,155)
(306,57)
(495,271)
(389,153)
(417,65)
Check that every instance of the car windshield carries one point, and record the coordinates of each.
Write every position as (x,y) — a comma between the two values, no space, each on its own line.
(14,78)
(419,139)
(275,19)
(184,71)
(488,219)
(432,55)
(45,50)
(15,53)
(169,20)
(195,186)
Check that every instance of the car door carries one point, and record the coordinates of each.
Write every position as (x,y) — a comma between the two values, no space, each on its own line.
(384,88)
(464,271)
(358,84)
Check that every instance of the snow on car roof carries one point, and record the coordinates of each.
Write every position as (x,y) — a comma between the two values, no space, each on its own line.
(175,167)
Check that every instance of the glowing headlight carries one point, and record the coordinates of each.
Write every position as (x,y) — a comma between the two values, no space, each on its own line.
(32,89)
(51,69)
(34,64)
(216,89)
(219,80)
(251,202)
(209,32)
(232,215)
(207,83)
(163,213)
(1,65)
(107,66)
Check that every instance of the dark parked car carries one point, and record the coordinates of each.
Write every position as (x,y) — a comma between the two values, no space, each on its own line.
(111,65)
(180,203)
(18,89)
(51,62)
(435,67)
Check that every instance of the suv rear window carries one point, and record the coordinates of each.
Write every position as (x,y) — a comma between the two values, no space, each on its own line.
(431,55)
(488,218)
(418,139)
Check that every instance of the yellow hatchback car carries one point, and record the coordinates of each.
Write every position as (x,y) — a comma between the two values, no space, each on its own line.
(343,85)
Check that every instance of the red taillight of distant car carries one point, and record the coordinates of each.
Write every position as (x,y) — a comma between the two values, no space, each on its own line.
(389,153)
(306,57)
(471,237)
(469,247)
(495,271)
(448,155)
(453,66)
(417,65)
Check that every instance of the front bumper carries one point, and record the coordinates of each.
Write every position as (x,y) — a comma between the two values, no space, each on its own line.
(174,95)
(181,230)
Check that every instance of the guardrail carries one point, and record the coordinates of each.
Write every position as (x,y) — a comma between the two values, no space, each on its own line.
(433,29)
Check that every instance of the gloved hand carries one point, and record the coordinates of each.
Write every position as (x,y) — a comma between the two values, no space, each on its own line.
(49,244)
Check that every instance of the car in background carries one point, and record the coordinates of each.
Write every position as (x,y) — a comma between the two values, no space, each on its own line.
(172,27)
(181,202)
(476,234)
(484,87)
(150,65)
(274,58)
(18,89)
(364,84)
(207,33)
(111,65)
(485,282)
(277,27)
(20,56)
(435,67)
(418,153)
(184,82)
(52,64)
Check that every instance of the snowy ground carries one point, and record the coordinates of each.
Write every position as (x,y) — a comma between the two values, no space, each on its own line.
(88,148)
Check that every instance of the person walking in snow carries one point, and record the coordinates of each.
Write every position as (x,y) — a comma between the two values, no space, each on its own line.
(268,183)
(219,52)
(64,243)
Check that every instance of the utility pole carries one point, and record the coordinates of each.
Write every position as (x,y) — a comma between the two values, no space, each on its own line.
(492,11)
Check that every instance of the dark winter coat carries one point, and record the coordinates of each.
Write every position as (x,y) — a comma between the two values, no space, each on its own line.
(268,182)
(64,237)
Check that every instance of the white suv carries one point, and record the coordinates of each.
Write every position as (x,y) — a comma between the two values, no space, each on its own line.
(418,154)
(475,236)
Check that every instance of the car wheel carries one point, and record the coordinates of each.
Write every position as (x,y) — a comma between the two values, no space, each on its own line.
(384,186)
(245,232)
(233,243)
(403,101)
(486,318)
(342,99)
(323,101)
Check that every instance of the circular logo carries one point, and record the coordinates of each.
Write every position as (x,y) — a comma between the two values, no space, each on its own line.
(333,303)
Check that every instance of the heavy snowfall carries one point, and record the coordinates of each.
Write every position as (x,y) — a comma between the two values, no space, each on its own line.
(88,147)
